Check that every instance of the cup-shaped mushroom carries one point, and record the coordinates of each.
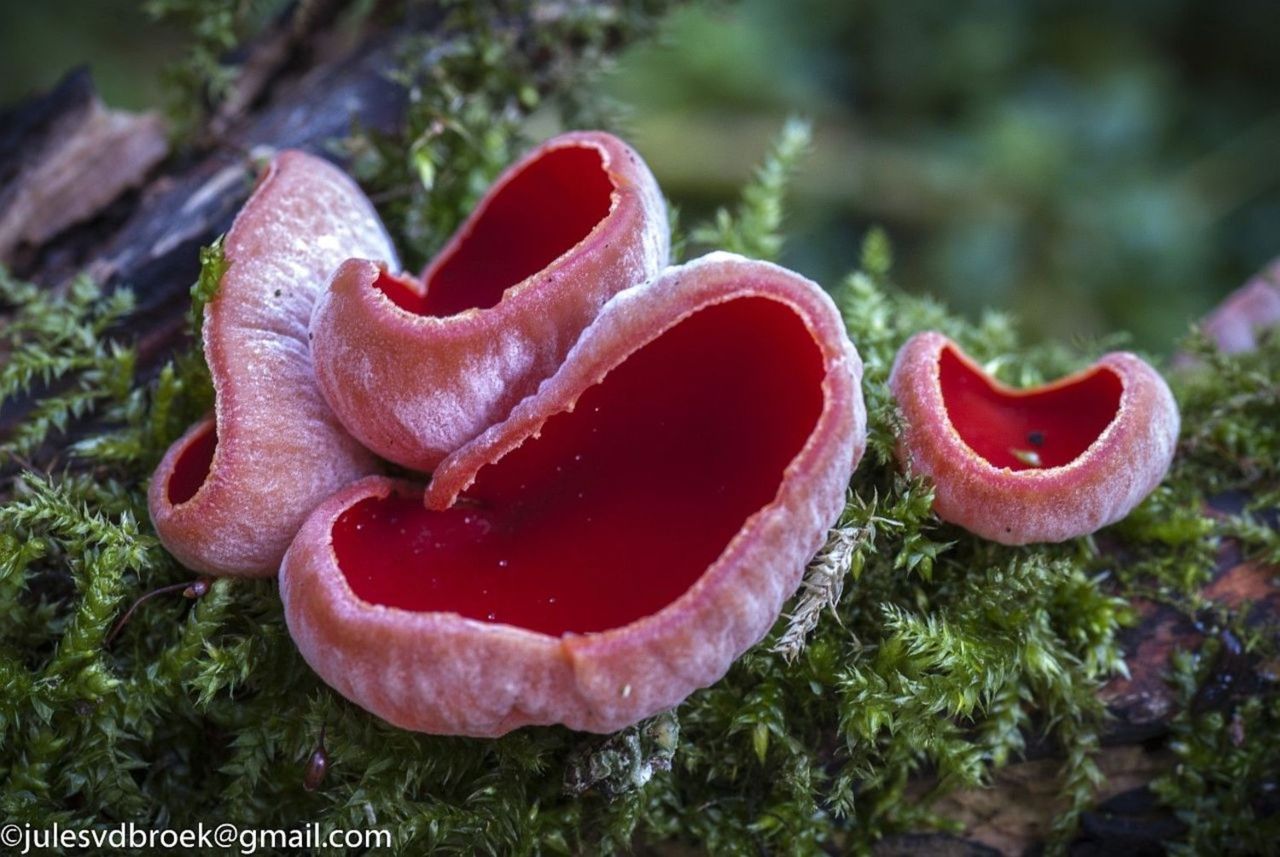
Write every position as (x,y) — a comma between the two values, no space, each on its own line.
(1246,314)
(416,369)
(229,496)
(1037,465)
(619,540)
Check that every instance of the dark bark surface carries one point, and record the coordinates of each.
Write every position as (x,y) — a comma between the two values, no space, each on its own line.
(1014,816)
(147,233)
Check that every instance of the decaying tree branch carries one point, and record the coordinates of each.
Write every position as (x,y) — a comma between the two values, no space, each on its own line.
(139,222)
(65,158)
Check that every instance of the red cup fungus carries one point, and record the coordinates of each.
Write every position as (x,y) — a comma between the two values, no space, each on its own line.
(1246,314)
(415,369)
(618,540)
(229,496)
(1038,465)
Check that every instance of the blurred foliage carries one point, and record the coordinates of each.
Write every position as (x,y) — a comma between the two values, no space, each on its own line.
(470,101)
(202,79)
(1090,165)
(39,42)
(1093,166)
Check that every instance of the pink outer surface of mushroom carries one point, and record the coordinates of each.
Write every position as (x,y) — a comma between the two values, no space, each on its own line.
(229,496)
(1116,425)
(1246,313)
(414,371)
(440,671)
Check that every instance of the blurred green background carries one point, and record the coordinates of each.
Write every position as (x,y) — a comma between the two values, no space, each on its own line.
(1090,166)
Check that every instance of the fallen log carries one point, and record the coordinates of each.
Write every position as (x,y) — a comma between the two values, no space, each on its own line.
(150,211)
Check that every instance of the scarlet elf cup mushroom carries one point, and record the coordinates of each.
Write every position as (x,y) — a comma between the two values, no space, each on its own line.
(1039,465)
(230,494)
(412,373)
(1247,313)
(588,556)
(618,540)
(414,369)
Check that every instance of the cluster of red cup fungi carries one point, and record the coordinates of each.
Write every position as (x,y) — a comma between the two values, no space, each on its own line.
(631,463)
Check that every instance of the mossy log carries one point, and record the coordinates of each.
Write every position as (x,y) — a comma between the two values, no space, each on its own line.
(148,218)
(99,191)
(1016,813)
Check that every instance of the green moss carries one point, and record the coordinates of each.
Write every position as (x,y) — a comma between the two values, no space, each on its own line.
(56,343)
(1224,785)
(205,77)
(471,84)
(916,652)
(213,265)
(755,229)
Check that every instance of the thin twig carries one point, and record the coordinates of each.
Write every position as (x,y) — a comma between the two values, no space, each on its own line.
(192,591)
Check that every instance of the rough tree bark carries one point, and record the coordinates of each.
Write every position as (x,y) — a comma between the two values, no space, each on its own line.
(147,217)
(84,188)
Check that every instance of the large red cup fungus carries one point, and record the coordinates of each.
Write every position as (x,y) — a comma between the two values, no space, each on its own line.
(229,496)
(616,542)
(416,369)
(1039,465)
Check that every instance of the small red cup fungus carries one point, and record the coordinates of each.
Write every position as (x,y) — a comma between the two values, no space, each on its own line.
(229,496)
(414,370)
(614,544)
(1238,322)
(1038,465)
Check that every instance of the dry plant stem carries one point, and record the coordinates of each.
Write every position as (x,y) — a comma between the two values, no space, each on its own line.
(190,591)
(822,587)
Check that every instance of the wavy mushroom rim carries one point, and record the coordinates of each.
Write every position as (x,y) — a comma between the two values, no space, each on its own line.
(1048,504)
(585,681)
(835,388)
(225,432)
(613,155)
(334,580)
(756,278)
(1025,468)
(796,459)
(215,423)
(414,388)
(929,347)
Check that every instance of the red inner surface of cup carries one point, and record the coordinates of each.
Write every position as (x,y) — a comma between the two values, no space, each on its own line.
(1027,430)
(545,210)
(615,509)
(192,467)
